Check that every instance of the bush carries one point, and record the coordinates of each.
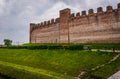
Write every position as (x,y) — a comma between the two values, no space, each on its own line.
(75,47)
(49,46)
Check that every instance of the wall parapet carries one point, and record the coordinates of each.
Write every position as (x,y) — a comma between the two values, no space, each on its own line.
(91,13)
(75,16)
(34,26)
(81,27)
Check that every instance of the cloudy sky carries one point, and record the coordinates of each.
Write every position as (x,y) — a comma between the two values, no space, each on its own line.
(16,15)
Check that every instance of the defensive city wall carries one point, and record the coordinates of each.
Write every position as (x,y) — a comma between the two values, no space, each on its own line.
(99,27)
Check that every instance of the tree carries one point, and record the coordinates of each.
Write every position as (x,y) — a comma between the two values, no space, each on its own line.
(7,42)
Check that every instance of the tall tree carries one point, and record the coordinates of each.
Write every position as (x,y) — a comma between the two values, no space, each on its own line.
(7,42)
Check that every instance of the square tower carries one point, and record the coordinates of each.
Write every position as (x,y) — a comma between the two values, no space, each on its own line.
(64,25)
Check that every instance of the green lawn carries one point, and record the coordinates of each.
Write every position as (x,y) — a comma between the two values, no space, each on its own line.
(109,69)
(37,71)
(63,62)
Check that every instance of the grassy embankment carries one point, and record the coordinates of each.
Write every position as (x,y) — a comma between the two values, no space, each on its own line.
(50,64)
(108,70)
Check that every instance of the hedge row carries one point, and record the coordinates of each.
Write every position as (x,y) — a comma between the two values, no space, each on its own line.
(69,47)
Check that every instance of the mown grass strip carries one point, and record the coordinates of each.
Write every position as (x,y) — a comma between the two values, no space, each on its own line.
(54,75)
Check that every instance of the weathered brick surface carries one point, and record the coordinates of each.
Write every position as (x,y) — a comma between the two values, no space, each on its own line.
(100,27)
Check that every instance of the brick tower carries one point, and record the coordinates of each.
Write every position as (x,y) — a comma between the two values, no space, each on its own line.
(64,25)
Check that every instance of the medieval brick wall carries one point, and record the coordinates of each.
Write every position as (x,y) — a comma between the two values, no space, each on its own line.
(100,27)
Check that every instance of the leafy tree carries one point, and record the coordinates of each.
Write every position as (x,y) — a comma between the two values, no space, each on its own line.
(7,42)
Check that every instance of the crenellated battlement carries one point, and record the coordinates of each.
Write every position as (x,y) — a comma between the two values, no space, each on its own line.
(34,26)
(74,16)
(108,19)
(109,9)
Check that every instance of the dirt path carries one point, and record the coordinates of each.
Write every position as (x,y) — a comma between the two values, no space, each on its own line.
(103,50)
(115,76)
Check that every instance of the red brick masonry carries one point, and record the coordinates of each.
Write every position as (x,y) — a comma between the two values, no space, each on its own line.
(100,27)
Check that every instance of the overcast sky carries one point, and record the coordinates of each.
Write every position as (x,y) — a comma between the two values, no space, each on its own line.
(16,15)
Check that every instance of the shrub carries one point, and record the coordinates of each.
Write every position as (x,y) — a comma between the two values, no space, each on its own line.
(49,46)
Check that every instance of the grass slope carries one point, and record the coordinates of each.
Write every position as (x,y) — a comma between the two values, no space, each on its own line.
(39,71)
(59,61)
(109,69)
